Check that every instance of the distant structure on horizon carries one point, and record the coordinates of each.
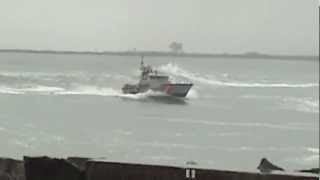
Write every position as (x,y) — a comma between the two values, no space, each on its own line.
(176,47)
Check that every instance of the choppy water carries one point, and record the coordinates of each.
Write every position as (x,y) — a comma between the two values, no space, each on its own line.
(238,111)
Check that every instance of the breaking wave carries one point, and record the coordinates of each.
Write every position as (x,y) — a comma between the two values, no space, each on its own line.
(175,70)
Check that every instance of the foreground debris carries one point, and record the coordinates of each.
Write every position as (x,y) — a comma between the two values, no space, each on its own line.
(266,166)
(79,168)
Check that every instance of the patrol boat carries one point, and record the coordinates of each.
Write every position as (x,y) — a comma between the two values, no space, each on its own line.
(151,80)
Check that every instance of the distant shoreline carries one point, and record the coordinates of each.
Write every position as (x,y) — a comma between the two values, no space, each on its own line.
(167,54)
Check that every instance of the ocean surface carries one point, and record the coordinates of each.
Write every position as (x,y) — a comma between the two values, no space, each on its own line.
(239,110)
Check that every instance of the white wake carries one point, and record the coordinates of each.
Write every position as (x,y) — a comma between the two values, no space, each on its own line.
(175,70)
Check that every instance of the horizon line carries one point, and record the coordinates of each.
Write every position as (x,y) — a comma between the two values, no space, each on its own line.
(164,53)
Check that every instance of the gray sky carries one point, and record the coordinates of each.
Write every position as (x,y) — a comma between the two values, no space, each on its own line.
(234,26)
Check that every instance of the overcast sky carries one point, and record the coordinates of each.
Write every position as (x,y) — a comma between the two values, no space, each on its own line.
(215,26)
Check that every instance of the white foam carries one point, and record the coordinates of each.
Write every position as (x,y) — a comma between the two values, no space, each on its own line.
(44,76)
(239,124)
(262,149)
(174,69)
(161,157)
(192,94)
(312,150)
(302,104)
(33,89)
(46,89)
(89,90)
(96,91)
(122,132)
(7,90)
(2,128)
(171,146)
(79,90)
(19,143)
(141,95)
(57,138)
(165,145)
(311,158)
(226,134)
